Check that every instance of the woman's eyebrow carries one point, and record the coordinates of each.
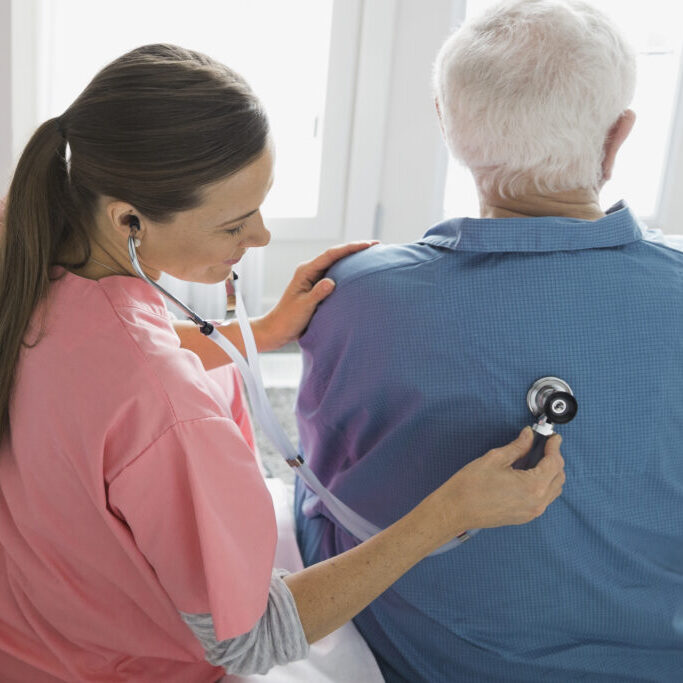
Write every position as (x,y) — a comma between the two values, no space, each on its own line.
(239,218)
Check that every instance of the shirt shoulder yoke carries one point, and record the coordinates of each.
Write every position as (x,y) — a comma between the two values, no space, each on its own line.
(381,258)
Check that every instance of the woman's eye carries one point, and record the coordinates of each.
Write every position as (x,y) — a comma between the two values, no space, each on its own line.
(236,230)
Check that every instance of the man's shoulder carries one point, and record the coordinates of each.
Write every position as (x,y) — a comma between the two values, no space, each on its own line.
(382,258)
(670,243)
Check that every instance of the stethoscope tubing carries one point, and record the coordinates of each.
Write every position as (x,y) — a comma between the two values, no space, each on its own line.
(132,253)
(249,368)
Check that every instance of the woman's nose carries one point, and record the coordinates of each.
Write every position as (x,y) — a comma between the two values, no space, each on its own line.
(258,235)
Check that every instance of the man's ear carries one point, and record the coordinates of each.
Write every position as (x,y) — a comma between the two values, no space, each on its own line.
(615,137)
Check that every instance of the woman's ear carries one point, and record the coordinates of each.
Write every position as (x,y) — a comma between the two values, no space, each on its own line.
(615,138)
(119,214)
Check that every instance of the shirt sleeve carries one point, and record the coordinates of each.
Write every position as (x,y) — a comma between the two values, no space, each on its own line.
(277,638)
(201,515)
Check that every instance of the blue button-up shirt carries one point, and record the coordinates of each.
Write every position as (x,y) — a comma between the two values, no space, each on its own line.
(421,361)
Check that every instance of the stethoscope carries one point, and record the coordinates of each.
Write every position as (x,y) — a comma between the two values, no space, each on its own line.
(550,399)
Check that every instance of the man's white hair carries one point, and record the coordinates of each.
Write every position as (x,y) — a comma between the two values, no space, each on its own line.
(528,92)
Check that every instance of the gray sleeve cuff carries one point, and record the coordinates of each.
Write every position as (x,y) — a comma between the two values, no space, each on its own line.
(277,638)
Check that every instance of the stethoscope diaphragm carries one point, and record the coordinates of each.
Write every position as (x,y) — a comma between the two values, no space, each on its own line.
(552,401)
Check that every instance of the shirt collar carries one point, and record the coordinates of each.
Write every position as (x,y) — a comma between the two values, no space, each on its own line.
(552,233)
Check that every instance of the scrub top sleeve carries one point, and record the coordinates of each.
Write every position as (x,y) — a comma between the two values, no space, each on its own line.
(201,515)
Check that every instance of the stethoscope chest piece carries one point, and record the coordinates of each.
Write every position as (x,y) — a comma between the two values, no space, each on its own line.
(552,397)
(551,400)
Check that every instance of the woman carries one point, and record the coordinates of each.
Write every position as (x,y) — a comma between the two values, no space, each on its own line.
(132,506)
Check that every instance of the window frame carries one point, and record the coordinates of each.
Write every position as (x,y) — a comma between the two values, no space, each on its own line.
(669,207)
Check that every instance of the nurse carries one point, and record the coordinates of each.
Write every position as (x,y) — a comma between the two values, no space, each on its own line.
(136,532)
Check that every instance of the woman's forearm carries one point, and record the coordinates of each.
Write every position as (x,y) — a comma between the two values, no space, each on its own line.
(211,355)
(330,593)
(486,492)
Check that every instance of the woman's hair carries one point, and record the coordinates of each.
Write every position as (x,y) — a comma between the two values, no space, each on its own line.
(153,129)
(528,92)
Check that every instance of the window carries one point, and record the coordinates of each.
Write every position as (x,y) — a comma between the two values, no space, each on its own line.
(642,161)
(281,48)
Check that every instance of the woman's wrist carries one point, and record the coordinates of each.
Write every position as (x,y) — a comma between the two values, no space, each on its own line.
(267,335)
(263,336)
(438,520)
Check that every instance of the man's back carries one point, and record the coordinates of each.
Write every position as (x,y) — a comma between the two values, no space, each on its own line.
(421,361)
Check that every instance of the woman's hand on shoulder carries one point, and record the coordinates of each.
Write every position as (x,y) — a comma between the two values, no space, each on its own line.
(288,319)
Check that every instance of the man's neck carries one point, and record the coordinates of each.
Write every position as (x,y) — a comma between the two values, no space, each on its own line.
(581,203)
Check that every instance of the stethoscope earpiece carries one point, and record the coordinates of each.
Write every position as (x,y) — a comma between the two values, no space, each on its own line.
(134,225)
(552,401)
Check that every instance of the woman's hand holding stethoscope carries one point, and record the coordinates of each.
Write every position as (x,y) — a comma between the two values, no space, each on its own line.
(288,319)
(490,492)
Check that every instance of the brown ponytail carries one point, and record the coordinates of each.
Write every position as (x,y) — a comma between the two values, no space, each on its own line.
(153,128)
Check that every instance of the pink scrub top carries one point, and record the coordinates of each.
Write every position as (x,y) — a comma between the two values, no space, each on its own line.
(129,491)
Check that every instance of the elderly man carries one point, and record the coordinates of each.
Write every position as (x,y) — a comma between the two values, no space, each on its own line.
(434,344)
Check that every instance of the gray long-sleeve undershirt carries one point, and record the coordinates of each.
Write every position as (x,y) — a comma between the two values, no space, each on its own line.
(277,638)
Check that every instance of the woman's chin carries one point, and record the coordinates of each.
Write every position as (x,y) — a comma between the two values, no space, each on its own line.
(218,274)
(208,276)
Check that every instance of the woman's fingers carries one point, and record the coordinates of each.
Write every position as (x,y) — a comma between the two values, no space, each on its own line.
(307,288)
(515,449)
(496,494)
(321,290)
(550,477)
(557,484)
(314,269)
(552,462)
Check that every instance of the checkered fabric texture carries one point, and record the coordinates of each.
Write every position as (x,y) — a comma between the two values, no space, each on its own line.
(421,361)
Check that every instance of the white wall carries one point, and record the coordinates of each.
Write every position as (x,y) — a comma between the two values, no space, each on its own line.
(415,158)
(5,94)
(670,217)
